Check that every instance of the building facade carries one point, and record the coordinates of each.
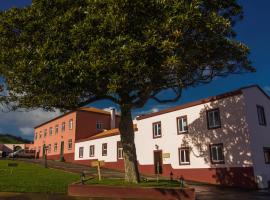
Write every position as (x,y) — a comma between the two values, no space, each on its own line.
(220,140)
(60,134)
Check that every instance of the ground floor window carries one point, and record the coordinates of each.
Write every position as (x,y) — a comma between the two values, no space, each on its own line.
(70,144)
(92,151)
(49,148)
(266,151)
(55,147)
(217,154)
(104,149)
(119,150)
(184,158)
(80,152)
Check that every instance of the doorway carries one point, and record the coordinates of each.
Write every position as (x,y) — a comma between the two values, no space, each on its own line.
(158,162)
(62,149)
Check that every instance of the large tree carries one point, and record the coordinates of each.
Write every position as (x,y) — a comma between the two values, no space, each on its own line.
(66,53)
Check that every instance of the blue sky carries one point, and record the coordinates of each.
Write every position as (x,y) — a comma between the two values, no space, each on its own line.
(253,31)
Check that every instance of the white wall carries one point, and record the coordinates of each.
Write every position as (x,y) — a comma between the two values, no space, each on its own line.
(233,135)
(260,135)
(111,149)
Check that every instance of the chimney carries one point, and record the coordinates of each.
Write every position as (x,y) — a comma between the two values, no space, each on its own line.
(113,120)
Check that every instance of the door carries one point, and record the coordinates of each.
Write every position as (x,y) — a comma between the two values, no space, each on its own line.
(62,149)
(158,162)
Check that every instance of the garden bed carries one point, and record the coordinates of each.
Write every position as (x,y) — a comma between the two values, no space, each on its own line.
(117,188)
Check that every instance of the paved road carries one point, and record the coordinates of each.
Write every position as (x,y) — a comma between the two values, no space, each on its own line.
(221,193)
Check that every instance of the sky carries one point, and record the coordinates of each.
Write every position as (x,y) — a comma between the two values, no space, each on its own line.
(254,31)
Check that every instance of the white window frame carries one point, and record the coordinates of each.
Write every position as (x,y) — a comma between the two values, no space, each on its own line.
(157,131)
(70,124)
(56,129)
(220,158)
(81,152)
(63,127)
(104,149)
(182,124)
(55,147)
(261,115)
(186,152)
(49,148)
(51,131)
(216,123)
(92,151)
(119,151)
(70,144)
(99,125)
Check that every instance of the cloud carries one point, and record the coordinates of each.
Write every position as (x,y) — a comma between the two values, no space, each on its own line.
(27,131)
(109,110)
(25,121)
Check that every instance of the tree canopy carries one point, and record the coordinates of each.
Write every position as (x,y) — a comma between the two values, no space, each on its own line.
(65,53)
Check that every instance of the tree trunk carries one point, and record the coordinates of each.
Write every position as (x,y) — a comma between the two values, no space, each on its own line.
(129,149)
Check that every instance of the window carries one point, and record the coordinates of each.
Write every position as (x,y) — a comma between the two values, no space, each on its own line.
(91,151)
(70,144)
(45,132)
(70,124)
(213,119)
(182,125)
(63,126)
(266,151)
(40,135)
(55,147)
(261,115)
(216,153)
(119,150)
(49,148)
(56,129)
(104,149)
(36,136)
(80,152)
(184,158)
(156,129)
(51,130)
(99,125)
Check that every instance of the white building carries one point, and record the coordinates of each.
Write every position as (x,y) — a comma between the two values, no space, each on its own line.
(220,140)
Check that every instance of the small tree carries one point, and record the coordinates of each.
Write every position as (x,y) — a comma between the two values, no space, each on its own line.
(65,54)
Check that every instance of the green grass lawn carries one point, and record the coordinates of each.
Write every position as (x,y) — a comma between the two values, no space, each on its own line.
(34,178)
(148,183)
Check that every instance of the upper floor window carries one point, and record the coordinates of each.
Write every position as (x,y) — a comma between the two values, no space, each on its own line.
(63,127)
(45,132)
(56,129)
(266,151)
(36,136)
(182,125)
(70,124)
(99,125)
(156,129)
(184,158)
(104,149)
(213,119)
(81,152)
(69,144)
(261,115)
(216,153)
(40,134)
(51,130)
(91,151)
(119,150)
(55,147)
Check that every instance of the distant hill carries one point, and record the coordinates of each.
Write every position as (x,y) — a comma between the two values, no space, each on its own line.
(11,139)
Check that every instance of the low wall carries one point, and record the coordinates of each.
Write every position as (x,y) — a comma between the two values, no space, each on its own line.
(131,192)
